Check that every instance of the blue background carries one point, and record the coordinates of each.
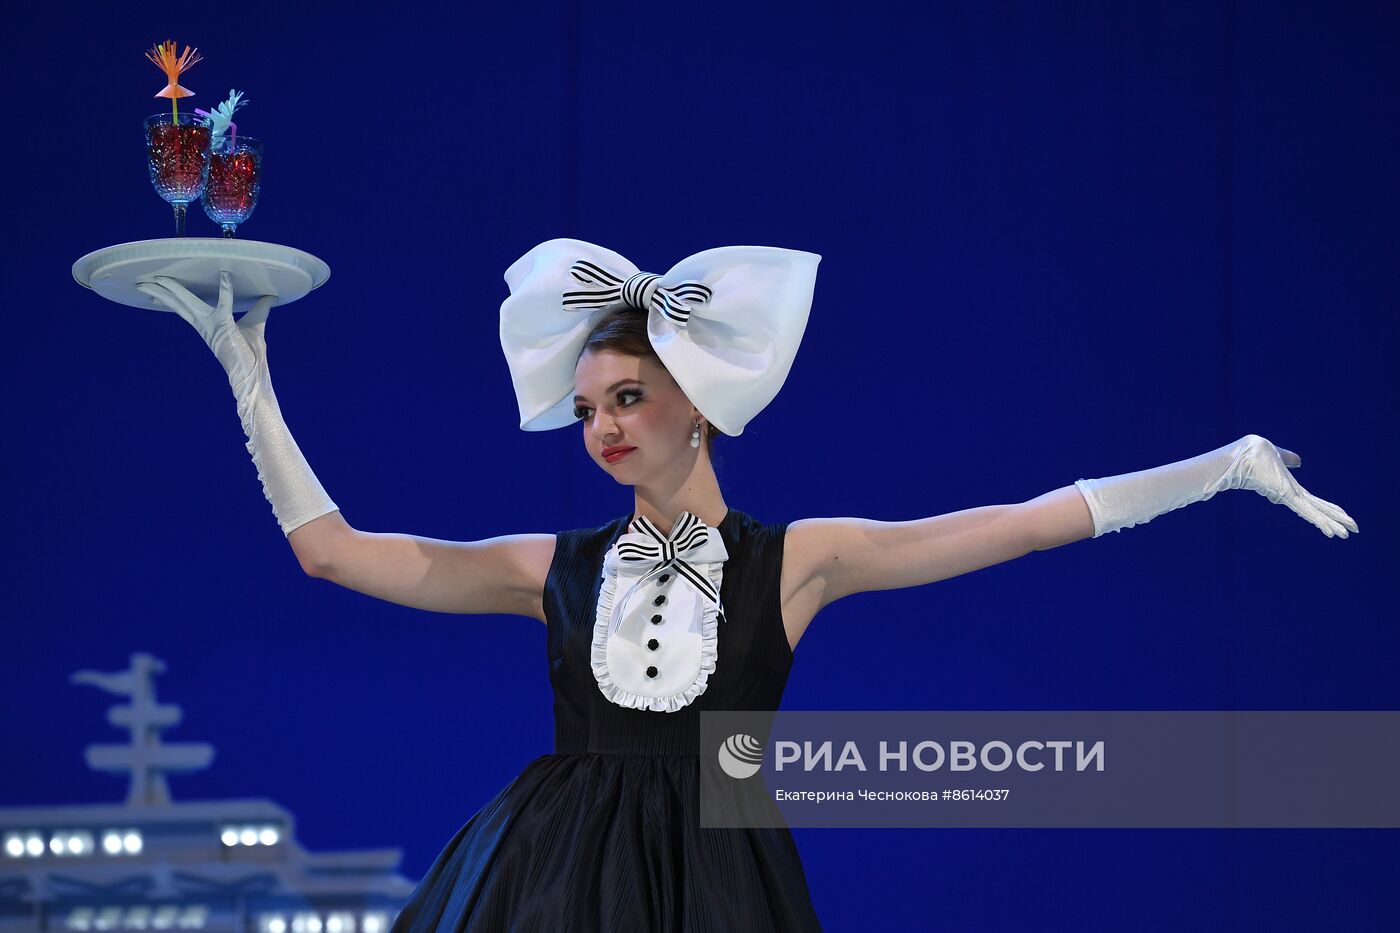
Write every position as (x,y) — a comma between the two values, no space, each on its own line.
(1060,240)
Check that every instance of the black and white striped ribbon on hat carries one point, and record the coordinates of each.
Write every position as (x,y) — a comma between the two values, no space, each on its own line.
(641,291)
(689,533)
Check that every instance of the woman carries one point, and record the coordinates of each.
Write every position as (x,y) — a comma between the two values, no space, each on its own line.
(682,605)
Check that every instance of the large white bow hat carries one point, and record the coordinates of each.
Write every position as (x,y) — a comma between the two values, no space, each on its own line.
(725,322)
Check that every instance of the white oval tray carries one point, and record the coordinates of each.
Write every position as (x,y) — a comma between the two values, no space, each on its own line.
(257,268)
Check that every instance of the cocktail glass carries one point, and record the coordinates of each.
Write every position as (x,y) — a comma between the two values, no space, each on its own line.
(177,154)
(235,176)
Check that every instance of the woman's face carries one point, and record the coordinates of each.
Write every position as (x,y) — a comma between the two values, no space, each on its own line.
(632,404)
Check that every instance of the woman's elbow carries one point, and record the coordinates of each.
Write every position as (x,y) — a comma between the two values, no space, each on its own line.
(1057,518)
(313,569)
(313,543)
(311,565)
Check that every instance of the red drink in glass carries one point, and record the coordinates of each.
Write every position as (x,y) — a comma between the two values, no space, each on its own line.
(235,177)
(177,155)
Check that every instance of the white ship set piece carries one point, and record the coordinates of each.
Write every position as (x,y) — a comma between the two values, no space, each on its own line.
(156,864)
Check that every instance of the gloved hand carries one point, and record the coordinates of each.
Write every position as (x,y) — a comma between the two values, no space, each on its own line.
(288,483)
(1251,462)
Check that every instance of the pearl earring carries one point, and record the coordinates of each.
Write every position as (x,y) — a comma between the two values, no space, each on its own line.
(695,436)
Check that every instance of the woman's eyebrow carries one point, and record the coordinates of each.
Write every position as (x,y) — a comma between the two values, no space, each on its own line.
(612,388)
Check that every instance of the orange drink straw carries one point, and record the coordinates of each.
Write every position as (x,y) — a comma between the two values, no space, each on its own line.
(163,57)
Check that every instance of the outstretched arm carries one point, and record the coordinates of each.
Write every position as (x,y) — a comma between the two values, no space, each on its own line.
(289,485)
(829,558)
(503,575)
(496,576)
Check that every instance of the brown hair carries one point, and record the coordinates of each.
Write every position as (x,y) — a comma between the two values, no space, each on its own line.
(625,331)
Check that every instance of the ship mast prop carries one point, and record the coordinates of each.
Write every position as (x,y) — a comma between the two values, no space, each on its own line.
(145,760)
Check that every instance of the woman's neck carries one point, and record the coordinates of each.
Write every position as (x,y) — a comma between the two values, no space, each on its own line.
(708,506)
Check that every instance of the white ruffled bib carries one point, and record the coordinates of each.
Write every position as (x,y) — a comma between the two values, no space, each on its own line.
(655,637)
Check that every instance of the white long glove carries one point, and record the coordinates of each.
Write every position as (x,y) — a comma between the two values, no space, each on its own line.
(1251,462)
(287,481)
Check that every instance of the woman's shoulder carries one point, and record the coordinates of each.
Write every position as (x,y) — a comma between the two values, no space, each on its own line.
(754,538)
(598,531)
(751,526)
(588,543)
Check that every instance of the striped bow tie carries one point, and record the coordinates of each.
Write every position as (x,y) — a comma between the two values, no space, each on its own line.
(641,291)
(644,550)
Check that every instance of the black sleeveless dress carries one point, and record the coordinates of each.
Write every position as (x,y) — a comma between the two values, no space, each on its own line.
(604,834)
